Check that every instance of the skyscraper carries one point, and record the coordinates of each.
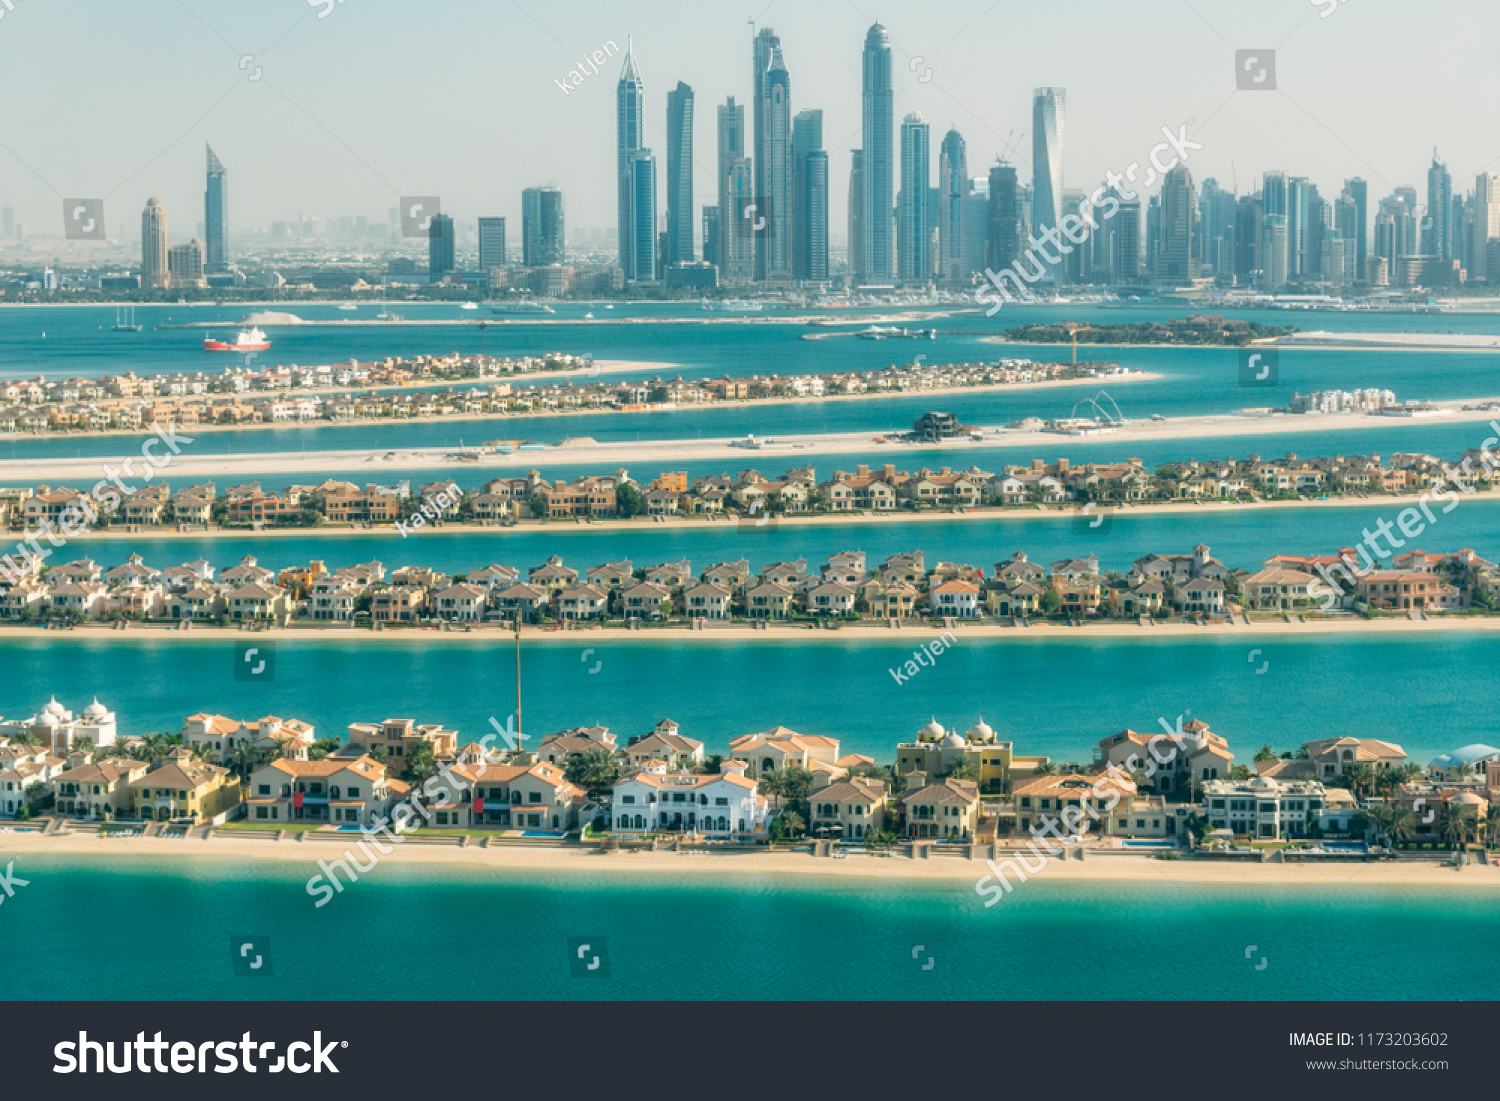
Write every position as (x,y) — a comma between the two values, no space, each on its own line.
(440,244)
(1436,232)
(642,266)
(1216,228)
(185,264)
(1273,252)
(491,243)
(1296,225)
(1273,193)
(1247,233)
(813,219)
(1049,123)
(773,171)
(877,259)
(914,222)
(856,224)
(953,177)
(543,236)
(763,49)
(1359,191)
(1125,241)
(1486,225)
(711,234)
(629,98)
(216,217)
(1003,245)
(807,139)
(736,185)
(1176,258)
(680,174)
(154,271)
(976,218)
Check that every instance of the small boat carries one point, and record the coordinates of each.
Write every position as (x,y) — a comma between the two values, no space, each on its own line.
(588,317)
(125,320)
(348,306)
(247,340)
(469,306)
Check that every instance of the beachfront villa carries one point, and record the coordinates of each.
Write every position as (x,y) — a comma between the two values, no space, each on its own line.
(59,729)
(505,796)
(848,810)
(1175,759)
(399,739)
(936,751)
(185,788)
(946,809)
(1263,808)
(347,788)
(22,766)
(98,790)
(724,805)
(1075,800)
(779,748)
(216,737)
(1468,763)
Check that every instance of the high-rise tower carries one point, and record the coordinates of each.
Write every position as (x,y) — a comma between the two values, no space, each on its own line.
(953,175)
(914,224)
(736,185)
(680,174)
(542,226)
(216,217)
(878,167)
(154,271)
(629,98)
(1049,125)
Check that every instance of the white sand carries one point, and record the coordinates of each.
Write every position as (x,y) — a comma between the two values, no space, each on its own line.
(793,450)
(1124,868)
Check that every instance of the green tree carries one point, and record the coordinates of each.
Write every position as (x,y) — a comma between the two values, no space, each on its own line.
(1265,753)
(628,501)
(965,768)
(421,765)
(323,747)
(594,770)
(1050,602)
(538,505)
(792,822)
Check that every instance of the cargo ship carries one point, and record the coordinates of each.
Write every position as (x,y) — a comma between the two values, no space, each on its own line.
(248,340)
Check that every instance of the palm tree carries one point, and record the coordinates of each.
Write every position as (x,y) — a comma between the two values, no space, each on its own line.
(1491,823)
(1402,824)
(1459,824)
(792,822)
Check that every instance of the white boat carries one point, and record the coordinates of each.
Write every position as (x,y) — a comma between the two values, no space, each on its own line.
(588,317)
(247,340)
(520,307)
(125,320)
(348,306)
(469,306)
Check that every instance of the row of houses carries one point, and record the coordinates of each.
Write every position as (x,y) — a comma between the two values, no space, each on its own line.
(200,398)
(904,586)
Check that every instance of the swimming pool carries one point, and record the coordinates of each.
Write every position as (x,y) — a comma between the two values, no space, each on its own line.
(1149,844)
(543,833)
(1345,846)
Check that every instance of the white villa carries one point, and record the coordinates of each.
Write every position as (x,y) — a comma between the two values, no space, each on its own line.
(59,728)
(724,806)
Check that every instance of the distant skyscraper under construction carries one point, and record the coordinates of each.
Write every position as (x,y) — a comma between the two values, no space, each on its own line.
(629,99)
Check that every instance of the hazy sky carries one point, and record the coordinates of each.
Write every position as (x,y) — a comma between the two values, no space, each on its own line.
(457,98)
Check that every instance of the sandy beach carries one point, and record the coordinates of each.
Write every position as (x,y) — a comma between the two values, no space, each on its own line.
(621,366)
(776,634)
(1119,868)
(193,463)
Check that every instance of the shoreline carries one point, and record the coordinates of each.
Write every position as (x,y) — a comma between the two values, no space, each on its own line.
(779,632)
(678,525)
(1096,869)
(622,452)
(630,366)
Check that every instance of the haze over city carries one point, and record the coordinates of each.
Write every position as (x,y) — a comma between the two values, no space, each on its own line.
(376,100)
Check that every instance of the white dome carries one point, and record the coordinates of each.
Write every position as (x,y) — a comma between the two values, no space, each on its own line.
(96,709)
(47,719)
(953,741)
(54,708)
(1264,783)
(981,732)
(934,729)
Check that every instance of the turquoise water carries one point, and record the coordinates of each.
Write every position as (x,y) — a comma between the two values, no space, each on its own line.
(1237,538)
(1055,696)
(477,933)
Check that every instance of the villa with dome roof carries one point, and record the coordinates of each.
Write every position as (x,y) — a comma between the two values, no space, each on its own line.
(936,751)
(59,728)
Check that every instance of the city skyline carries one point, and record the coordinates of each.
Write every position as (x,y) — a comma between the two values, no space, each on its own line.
(831,88)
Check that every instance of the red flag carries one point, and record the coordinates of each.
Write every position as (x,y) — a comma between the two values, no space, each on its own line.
(297,799)
(478,804)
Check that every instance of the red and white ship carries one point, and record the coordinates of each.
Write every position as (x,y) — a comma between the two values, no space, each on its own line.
(248,340)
